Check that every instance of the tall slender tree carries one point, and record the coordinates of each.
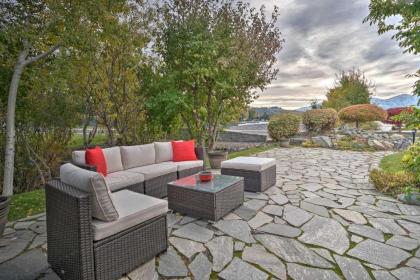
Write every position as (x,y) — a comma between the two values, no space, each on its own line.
(215,54)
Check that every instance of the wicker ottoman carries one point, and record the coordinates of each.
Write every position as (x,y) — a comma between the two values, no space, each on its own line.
(259,173)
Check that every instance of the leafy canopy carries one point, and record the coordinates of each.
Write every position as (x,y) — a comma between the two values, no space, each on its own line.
(351,88)
(214,54)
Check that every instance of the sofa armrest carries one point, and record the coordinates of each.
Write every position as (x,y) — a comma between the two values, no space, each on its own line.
(69,231)
(85,166)
(199,151)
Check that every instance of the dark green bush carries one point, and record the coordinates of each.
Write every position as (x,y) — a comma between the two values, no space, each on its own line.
(320,120)
(283,126)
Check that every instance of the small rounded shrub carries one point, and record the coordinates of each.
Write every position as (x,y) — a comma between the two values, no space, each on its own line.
(283,126)
(391,182)
(362,113)
(320,120)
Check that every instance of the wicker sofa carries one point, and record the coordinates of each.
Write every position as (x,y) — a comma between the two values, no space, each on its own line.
(143,168)
(102,227)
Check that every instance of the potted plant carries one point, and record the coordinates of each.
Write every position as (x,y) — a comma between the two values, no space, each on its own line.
(216,157)
(4,210)
(283,126)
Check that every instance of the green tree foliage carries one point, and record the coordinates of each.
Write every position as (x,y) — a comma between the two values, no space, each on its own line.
(362,113)
(62,60)
(410,118)
(31,34)
(411,160)
(283,126)
(383,13)
(351,87)
(110,85)
(214,55)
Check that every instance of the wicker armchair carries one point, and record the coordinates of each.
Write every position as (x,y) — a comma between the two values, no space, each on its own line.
(74,254)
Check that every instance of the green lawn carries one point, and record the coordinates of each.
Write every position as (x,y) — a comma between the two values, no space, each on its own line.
(27,204)
(77,140)
(392,163)
(251,151)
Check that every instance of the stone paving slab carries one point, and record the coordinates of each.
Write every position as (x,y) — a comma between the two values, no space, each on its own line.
(322,220)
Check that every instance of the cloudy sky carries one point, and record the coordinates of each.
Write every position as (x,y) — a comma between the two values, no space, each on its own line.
(324,37)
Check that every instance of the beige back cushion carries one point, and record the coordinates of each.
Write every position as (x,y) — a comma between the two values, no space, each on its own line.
(139,155)
(93,183)
(113,159)
(79,157)
(163,151)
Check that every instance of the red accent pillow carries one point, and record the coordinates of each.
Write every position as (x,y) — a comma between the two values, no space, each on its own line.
(183,150)
(96,158)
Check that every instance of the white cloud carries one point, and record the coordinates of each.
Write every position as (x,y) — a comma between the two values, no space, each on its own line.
(324,37)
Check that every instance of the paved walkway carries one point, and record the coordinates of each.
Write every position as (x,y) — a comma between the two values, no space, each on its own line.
(322,220)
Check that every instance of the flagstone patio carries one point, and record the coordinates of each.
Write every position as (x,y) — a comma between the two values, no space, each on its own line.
(323,220)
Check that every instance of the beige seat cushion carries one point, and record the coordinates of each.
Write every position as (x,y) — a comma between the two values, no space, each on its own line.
(163,151)
(184,165)
(133,209)
(139,155)
(154,170)
(249,163)
(121,179)
(93,183)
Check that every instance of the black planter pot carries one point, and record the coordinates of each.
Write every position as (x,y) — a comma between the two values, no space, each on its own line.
(216,158)
(4,211)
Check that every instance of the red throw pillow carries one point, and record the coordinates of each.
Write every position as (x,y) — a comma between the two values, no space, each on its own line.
(183,150)
(96,158)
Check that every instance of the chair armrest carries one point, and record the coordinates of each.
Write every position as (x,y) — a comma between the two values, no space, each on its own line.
(85,166)
(69,231)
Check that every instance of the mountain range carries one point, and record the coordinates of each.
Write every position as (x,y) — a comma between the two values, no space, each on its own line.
(402,100)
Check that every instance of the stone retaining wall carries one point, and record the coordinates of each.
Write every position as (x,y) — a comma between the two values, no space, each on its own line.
(235,136)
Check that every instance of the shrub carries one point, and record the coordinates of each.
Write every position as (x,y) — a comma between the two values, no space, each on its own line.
(353,143)
(310,144)
(411,160)
(283,126)
(320,120)
(362,113)
(391,182)
(369,126)
(392,112)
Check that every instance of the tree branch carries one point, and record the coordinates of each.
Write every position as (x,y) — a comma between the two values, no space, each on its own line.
(42,55)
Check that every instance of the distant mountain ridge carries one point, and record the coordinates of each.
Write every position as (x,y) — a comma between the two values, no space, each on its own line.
(402,100)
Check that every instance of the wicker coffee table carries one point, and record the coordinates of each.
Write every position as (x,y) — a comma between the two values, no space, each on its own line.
(211,200)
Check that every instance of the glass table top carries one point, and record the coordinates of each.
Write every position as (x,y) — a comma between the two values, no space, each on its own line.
(218,183)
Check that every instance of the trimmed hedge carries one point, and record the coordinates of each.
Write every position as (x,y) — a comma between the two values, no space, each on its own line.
(362,113)
(320,120)
(283,126)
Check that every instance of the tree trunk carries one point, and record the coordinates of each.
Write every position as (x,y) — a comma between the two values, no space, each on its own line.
(9,158)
